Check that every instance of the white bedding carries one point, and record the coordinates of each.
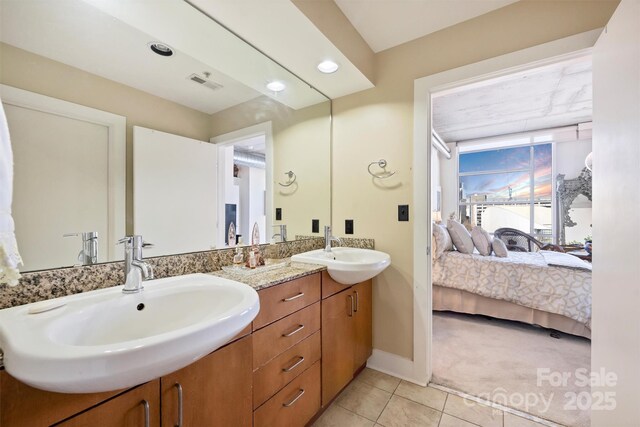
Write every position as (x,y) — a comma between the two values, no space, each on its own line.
(523,278)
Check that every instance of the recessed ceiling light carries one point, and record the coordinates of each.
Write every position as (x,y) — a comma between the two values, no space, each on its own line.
(161,49)
(327,67)
(276,86)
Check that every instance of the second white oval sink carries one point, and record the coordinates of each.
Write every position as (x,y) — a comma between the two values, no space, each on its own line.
(106,340)
(348,266)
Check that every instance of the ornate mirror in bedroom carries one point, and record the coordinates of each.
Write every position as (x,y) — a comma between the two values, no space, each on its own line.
(574,208)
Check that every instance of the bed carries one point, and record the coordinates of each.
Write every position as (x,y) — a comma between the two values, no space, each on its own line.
(552,290)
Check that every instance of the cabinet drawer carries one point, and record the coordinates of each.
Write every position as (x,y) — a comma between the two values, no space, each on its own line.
(295,404)
(285,333)
(278,301)
(276,374)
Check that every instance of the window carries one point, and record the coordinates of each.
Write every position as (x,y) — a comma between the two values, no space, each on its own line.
(508,187)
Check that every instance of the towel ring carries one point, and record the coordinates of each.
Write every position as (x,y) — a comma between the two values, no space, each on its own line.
(292,179)
(382,164)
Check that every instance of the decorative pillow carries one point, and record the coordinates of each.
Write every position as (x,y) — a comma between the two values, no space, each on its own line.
(443,240)
(499,248)
(460,236)
(481,240)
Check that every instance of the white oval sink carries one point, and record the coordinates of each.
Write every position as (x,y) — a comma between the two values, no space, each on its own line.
(348,265)
(106,340)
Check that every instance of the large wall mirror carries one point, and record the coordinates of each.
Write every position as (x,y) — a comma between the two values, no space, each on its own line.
(148,117)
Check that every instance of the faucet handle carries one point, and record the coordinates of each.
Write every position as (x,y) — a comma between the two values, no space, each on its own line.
(125,239)
(147,245)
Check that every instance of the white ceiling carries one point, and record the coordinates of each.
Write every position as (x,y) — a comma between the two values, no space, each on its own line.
(280,29)
(77,34)
(388,23)
(551,96)
(109,38)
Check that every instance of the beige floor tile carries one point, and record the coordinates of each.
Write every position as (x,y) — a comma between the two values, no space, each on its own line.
(337,416)
(379,379)
(511,420)
(473,412)
(364,399)
(428,396)
(451,421)
(401,412)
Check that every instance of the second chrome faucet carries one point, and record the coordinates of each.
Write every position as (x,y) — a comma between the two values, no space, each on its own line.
(135,269)
(328,238)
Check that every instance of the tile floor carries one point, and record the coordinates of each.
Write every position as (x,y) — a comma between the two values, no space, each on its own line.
(375,399)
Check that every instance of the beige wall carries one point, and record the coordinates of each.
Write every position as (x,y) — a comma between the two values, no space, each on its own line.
(301,144)
(378,123)
(35,73)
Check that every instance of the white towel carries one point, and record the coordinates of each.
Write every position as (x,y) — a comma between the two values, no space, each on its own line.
(9,255)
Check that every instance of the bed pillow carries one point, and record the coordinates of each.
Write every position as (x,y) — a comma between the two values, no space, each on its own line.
(499,248)
(443,240)
(481,240)
(460,236)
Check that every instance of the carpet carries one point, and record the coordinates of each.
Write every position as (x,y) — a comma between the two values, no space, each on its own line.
(498,360)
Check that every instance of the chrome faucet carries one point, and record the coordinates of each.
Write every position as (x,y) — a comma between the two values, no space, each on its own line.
(282,234)
(328,238)
(89,253)
(135,269)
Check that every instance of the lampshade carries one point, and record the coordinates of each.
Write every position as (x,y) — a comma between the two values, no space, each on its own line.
(588,162)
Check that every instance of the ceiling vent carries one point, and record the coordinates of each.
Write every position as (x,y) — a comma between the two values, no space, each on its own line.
(201,80)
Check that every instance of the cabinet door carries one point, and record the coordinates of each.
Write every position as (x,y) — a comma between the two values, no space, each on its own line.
(136,408)
(214,391)
(363,339)
(337,343)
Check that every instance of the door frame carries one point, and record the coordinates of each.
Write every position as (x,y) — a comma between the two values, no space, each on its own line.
(230,138)
(579,45)
(116,125)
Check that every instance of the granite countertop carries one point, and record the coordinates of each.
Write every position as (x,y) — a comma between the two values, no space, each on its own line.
(261,280)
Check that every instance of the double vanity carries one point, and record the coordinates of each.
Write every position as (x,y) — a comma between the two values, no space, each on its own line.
(269,348)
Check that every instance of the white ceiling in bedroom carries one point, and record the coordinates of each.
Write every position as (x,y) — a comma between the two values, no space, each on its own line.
(551,96)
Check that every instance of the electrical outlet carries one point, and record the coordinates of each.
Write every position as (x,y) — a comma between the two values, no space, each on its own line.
(348,226)
(278,214)
(403,212)
(315,225)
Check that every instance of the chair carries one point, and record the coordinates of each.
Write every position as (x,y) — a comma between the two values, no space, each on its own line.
(518,241)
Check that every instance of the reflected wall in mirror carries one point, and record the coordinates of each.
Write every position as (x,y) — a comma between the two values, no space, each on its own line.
(106,132)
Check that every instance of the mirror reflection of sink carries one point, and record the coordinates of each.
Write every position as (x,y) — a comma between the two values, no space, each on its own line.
(106,340)
(348,266)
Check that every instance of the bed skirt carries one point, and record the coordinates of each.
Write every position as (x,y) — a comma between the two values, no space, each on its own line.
(449,299)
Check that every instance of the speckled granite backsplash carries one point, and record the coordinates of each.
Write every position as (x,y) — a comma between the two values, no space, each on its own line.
(47,284)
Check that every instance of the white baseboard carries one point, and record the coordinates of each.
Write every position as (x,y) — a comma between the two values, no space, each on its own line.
(392,364)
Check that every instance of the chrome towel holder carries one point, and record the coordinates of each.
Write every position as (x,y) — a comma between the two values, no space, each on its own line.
(382,164)
(292,178)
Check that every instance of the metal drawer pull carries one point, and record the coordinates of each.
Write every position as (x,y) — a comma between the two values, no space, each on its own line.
(295,365)
(350,305)
(294,400)
(357,302)
(145,404)
(295,331)
(301,294)
(179,387)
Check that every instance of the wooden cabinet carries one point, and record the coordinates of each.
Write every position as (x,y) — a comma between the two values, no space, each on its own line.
(300,353)
(346,337)
(135,408)
(362,318)
(214,391)
(22,405)
(295,404)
